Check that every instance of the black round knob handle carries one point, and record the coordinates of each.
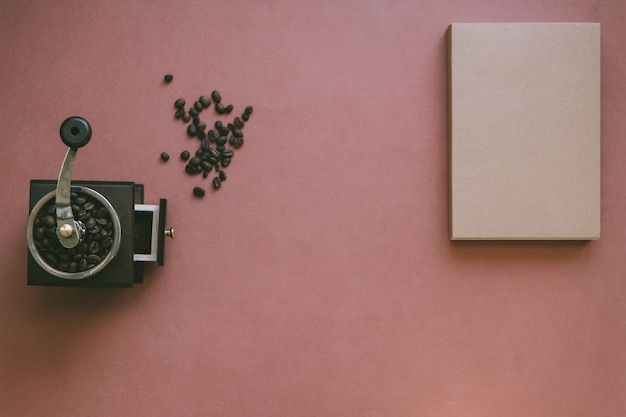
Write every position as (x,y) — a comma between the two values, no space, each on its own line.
(75,132)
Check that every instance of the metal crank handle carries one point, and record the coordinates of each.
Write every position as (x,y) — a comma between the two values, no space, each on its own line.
(75,132)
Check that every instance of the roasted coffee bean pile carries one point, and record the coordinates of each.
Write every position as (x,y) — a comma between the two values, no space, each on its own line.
(216,145)
(96,243)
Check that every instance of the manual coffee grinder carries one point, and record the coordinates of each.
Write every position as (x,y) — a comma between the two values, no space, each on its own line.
(91,234)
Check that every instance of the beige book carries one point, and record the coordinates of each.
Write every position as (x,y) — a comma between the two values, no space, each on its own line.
(524,125)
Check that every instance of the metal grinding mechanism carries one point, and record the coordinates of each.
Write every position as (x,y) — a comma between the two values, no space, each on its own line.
(94,234)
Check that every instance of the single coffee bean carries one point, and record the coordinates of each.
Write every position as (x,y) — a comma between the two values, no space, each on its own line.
(219,108)
(196,120)
(206,166)
(228,109)
(238,122)
(214,153)
(39,233)
(101,213)
(184,155)
(94,247)
(245,117)
(200,134)
(193,112)
(227,153)
(72,267)
(238,133)
(205,173)
(201,125)
(204,144)
(93,259)
(191,169)
(195,161)
(221,141)
(180,103)
(168,78)
(212,136)
(102,222)
(205,101)
(225,162)
(216,96)
(165,156)
(218,125)
(198,191)
(107,242)
(217,183)
(249,110)
(212,160)
(186,117)
(192,130)
(220,148)
(222,176)
(179,113)
(48,221)
(198,106)
(224,131)
(89,205)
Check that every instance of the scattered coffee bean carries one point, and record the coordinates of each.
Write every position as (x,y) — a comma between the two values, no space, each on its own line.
(198,106)
(193,112)
(219,108)
(249,110)
(225,162)
(198,191)
(222,176)
(221,140)
(179,113)
(228,109)
(245,117)
(192,130)
(216,96)
(227,153)
(186,117)
(205,101)
(217,183)
(237,133)
(165,156)
(168,78)
(214,153)
(184,155)
(238,122)
(180,103)
(206,166)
